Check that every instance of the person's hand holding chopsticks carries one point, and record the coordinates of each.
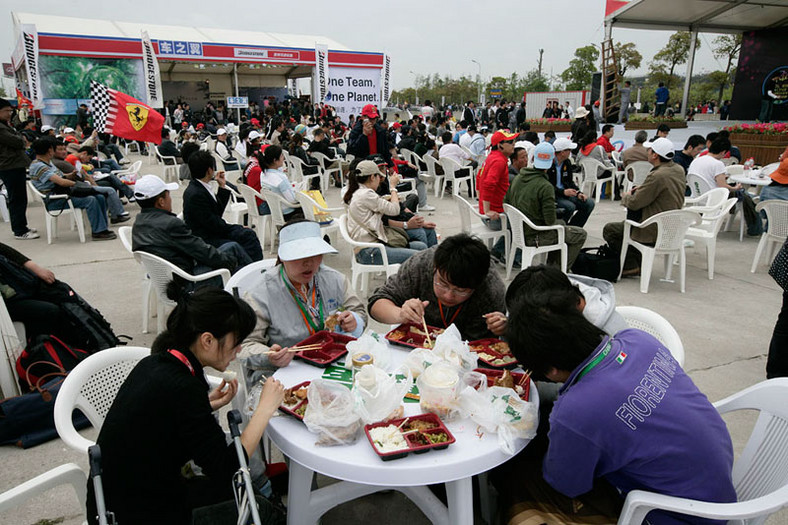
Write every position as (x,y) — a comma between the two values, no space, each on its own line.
(412,311)
(279,356)
(496,322)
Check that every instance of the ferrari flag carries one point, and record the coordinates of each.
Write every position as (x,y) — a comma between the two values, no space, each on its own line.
(119,114)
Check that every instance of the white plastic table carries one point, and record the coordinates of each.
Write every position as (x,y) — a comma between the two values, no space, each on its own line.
(751,178)
(363,472)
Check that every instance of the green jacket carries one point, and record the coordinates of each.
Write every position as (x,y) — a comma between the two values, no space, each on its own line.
(534,195)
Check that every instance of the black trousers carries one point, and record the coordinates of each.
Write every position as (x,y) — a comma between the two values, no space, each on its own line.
(777,361)
(15,184)
(40,318)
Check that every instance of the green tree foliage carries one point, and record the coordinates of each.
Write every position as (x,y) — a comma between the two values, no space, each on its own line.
(628,57)
(725,47)
(581,68)
(69,77)
(675,53)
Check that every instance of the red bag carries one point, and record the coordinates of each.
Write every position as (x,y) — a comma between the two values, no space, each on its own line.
(44,355)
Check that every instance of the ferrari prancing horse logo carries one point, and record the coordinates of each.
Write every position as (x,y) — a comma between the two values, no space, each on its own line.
(138,115)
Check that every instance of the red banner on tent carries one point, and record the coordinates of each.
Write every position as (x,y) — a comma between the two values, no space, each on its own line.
(612,6)
(124,116)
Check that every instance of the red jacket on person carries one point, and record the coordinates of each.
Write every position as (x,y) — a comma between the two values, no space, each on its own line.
(605,143)
(492,181)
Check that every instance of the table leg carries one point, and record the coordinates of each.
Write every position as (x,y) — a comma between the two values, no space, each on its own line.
(460,499)
(300,491)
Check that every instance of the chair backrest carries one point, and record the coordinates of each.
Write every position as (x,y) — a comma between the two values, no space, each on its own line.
(617,158)
(656,325)
(124,233)
(591,168)
(777,215)
(465,208)
(250,195)
(275,204)
(734,169)
(672,227)
(712,220)
(516,220)
(698,185)
(769,169)
(639,170)
(713,198)
(431,162)
(249,277)
(160,272)
(449,167)
(91,388)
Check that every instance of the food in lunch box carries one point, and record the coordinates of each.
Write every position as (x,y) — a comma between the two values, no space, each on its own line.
(503,361)
(506,380)
(398,335)
(300,411)
(405,334)
(487,357)
(332,322)
(387,439)
(437,437)
(419,439)
(293,397)
(501,347)
(419,424)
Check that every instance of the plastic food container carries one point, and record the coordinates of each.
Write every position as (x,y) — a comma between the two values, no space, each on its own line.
(298,409)
(419,434)
(332,347)
(520,379)
(493,353)
(412,335)
(438,386)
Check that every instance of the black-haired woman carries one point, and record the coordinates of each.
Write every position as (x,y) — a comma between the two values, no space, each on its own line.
(269,175)
(162,418)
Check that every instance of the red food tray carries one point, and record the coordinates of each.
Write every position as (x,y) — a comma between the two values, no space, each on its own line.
(519,379)
(332,347)
(418,442)
(296,410)
(417,339)
(484,346)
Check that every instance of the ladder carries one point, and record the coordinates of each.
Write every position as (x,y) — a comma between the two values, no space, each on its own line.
(610,81)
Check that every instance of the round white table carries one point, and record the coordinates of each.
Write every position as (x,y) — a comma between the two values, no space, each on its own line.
(363,472)
(751,178)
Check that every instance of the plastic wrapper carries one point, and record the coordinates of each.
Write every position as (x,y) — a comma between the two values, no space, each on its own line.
(330,413)
(498,410)
(373,344)
(439,387)
(450,347)
(378,395)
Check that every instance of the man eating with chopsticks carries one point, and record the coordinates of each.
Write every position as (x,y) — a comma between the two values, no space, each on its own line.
(450,283)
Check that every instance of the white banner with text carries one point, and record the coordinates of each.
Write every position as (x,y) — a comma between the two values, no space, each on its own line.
(352,88)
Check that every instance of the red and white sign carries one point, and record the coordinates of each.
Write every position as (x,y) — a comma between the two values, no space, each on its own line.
(611,6)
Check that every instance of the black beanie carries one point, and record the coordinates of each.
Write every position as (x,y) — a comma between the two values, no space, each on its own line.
(4,103)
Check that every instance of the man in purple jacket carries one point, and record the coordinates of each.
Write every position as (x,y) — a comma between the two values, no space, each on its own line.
(626,416)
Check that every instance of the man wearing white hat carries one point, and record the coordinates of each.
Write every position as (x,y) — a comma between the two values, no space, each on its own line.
(222,148)
(663,190)
(576,206)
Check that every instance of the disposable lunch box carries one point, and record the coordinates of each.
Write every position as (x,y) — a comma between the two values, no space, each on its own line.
(405,335)
(417,442)
(332,347)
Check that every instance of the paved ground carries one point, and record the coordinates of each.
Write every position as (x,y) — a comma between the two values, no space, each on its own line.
(725,325)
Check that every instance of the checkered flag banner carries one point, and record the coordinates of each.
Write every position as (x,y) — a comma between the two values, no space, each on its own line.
(121,115)
(100,106)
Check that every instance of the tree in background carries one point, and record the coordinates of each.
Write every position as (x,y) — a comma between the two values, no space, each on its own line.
(725,47)
(628,57)
(581,68)
(675,53)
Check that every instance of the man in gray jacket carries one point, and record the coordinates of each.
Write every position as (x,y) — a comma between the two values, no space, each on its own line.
(13,163)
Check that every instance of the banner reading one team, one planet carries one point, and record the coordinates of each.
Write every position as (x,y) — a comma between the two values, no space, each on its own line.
(350,89)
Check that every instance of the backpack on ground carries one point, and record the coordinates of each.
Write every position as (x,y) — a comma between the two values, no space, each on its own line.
(46,355)
(601,262)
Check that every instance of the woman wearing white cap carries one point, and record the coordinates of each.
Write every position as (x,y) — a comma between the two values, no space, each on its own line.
(297,298)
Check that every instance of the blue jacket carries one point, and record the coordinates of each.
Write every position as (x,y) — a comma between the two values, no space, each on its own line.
(663,94)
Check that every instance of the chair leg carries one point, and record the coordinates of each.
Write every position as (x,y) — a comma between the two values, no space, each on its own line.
(711,251)
(510,261)
(79,219)
(646,265)
(564,258)
(49,222)
(758,252)
(160,317)
(669,266)
(682,268)
(146,293)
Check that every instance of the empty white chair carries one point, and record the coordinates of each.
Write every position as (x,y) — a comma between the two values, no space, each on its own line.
(777,216)
(656,325)
(261,223)
(276,202)
(124,233)
(68,474)
(362,271)
(51,216)
(705,233)
(671,228)
(328,224)
(130,172)
(450,168)
(170,165)
(328,167)
(296,173)
(517,220)
(639,170)
(472,223)
(432,173)
(760,475)
(708,201)
(593,176)
(236,210)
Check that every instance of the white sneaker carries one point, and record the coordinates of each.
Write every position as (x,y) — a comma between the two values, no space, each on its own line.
(426,207)
(30,234)
(124,161)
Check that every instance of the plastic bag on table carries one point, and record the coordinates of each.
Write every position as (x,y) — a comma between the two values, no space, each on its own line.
(439,387)
(450,347)
(419,359)
(369,343)
(499,410)
(330,413)
(378,395)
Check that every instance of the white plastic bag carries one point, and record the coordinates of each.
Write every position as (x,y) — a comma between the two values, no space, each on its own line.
(439,387)
(378,395)
(369,343)
(450,347)
(499,410)
(419,359)
(330,413)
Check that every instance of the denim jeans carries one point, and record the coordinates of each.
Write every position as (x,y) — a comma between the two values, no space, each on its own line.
(113,201)
(114,182)
(111,149)
(424,235)
(395,255)
(109,164)
(572,205)
(264,209)
(95,206)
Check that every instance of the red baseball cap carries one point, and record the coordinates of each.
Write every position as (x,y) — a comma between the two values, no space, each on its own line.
(500,136)
(200,126)
(370,111)
(396,125)
(255,122)
(184,124)
(596,103)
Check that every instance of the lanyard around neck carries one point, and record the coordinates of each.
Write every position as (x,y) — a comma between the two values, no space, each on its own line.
(453,317)
(177,354)
(306,312)
(595,361)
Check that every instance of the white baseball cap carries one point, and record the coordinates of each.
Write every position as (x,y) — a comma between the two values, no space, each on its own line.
(563,144)
(46,128)
(301,240)
(69,130)
(662,147)
(253,135)
(221,131)
(149,186)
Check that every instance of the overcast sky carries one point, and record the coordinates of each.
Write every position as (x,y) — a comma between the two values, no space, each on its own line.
(425,37)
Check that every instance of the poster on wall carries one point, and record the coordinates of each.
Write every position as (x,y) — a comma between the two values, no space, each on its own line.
(761,87)
(352,88)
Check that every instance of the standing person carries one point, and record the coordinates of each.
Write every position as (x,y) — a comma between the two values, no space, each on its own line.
(777,360)
(662,95)
(468,114)
(569,110)
(13,163)
(626,96)
(82,117)
(581,124)
(368,137)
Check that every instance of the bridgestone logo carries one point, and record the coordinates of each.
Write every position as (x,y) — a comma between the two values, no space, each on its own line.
(252,53)
(30,54)
(321,73)
(150,68)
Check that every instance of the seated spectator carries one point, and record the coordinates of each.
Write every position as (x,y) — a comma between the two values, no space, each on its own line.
(476,143)
(492,182)
(276,129)
(158,231)
(663,190)
(109,188)
(532,194)
(203,209)
(407,139)
(517,161)
(451,283)
(549,136)
(590,148)
(454,152)
(48,179)
(778,188)
(365,217)
(608,130)
(167,148)
(460,129)
(296,298)
(600,449)
(223,148)
(271,160)
(692,149)
(663,130)
(711,169)
(187,151)
(575,205)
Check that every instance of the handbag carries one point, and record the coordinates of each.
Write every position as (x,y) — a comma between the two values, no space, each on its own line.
(82,189)
(779,268)
(600,263)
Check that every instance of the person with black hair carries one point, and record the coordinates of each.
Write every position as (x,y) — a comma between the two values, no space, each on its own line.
(270,176)
(84,173)
(203,209)
(575,206)
(622,398)
(692,149)
(662,95)
(163,416)
(13,163)
(451,283)
(368,137)
(167,148)
(663,130)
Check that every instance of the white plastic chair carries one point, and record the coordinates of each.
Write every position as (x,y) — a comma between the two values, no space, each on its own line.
(68,474)
(619,174)
(91,388)
(261,223)
(131,145)
(248,277)
(777,215)
(450,167)
(308,205)
(656,325)
(592,181)
(705,233)
(13,343)
(760,476)
(698,185)
(236,210)
(362,271)
(124,233)
(708,201)
(517,220)
(51,216)
(432,173)
(170,165)
(131,171)
(671,228)
(161,272)
(327,169)
(472,223)
(639,171)
(297,171)
(275,203)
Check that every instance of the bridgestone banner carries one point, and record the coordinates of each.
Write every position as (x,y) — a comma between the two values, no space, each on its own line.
(30,45)
(152,75)
(352,88)
(386,73)
(321,73)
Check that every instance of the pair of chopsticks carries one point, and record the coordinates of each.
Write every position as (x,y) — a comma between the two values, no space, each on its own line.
(526,377)
(304,348)
(426,331)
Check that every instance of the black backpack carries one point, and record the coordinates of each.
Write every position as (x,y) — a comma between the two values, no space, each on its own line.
(600,262)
